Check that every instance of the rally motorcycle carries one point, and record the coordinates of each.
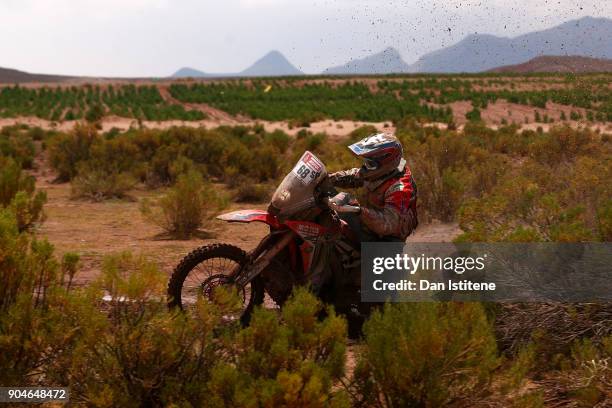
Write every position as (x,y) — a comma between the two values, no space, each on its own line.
(308,245)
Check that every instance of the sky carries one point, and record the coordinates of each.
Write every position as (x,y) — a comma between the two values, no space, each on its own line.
(142,38)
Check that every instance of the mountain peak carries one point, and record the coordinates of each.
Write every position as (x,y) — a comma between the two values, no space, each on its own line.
(587,36)
(390,50)
(272,64)
(187,72)
(386,61)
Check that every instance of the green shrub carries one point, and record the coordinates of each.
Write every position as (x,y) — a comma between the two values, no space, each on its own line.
(289,361)
(425,354)
(473,115)
(141,354)
(12,180)
(32,332)
(438,166)
(362,132)
(520,368)
(69,267)
(186,208)
(98,183)
(604,217)
(95,113)
(66,151)
(252,193)
(17,191)
(130,350)
(28,208)
(18,144)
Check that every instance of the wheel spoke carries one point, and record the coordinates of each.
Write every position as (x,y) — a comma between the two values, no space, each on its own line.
(204,277)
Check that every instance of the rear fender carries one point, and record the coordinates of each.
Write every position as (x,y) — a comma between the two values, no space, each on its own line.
(246,216)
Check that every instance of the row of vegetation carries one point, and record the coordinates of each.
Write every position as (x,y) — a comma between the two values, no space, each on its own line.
(499,185)
(388,99)
(310,102)
(91,103)
(510,185)
(421,97)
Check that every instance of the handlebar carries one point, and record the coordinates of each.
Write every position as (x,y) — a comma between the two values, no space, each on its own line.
(341,208)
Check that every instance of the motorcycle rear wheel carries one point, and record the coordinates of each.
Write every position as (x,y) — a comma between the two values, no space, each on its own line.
(207,267)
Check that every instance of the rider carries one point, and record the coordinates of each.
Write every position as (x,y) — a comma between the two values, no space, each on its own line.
(389,213)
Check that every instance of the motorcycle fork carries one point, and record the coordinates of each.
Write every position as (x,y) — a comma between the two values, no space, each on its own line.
(262,256)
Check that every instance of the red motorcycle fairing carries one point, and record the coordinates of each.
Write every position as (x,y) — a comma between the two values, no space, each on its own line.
(310,232)
(250,216)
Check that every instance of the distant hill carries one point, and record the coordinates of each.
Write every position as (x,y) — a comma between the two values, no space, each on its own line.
(587,36)
(272,64)
(563,63)
(384,62)
(13,76)
(189,73)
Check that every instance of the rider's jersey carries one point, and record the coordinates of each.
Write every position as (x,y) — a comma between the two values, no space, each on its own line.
(390,208)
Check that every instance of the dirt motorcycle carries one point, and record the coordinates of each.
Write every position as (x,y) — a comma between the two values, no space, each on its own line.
(308,244)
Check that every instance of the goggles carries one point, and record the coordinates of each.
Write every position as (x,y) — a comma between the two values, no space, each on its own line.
(370,164)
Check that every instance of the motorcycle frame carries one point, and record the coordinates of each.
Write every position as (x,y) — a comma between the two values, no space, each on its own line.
(284,234)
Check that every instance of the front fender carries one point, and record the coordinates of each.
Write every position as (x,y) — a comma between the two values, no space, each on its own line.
(251,216)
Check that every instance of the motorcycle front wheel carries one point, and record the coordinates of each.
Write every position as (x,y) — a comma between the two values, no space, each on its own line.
(206,268)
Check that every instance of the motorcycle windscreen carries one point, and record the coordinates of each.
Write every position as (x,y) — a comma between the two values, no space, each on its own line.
(296,191)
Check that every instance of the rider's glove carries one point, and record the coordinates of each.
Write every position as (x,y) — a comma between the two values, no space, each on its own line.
(344,203)
(346,179)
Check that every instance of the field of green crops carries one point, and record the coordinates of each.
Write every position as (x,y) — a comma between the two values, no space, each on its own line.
(393,98)
(91,102)
(307,99)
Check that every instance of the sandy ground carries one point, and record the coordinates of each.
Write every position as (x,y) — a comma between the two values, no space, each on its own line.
(332,127)
(337,129)
(97,229)
(523,115)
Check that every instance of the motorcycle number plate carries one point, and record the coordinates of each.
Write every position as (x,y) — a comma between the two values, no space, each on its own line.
(308,168)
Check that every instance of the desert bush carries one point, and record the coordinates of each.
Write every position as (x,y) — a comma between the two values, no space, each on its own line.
(12,180)
(361,132)
(145,355)
(95,113)
(98,183)
(439,165)
(141,354)
(158,157)
(425,354)
(252,193)
(129,350)
(473,115)
(32,332)
(66,151)
(17,191)
(604,219)
(287,362)
(18,144)
(520,368)
(28,208)
(186,207)
(556,326)
(582,378)
(562,144)
(37,133)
